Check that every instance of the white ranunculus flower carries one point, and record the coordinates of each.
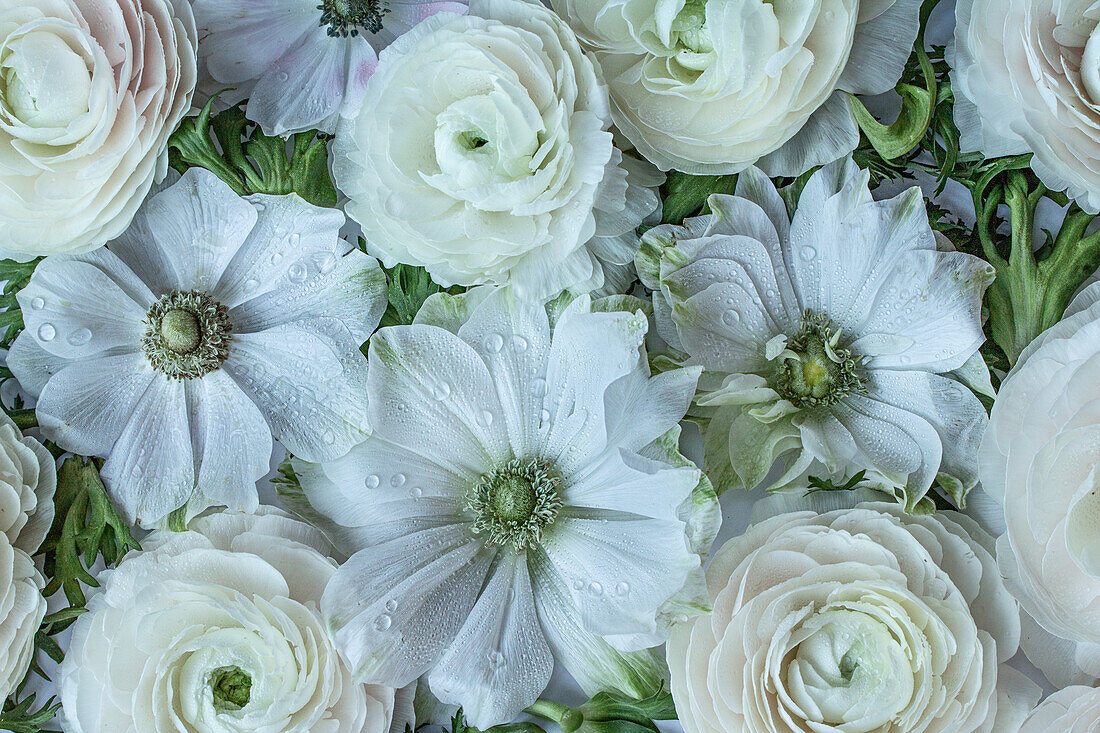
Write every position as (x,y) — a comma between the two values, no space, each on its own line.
(481,151)
(22,609)
(1072,710)
(90,90)
(212,324)
(714,86)
(28,479)
(1041,459)
(1026,77)
(824,338)
(303,63)
(521,499)
(217,630)
(852,620)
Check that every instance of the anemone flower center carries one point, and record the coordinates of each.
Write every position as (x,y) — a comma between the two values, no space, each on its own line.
(187,335)
(813,369)
(515,503)
(232,688)
(348,17)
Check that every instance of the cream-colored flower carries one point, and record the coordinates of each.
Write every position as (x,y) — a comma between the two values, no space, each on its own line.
(481,151)
(1072,710)
(713,86)
(217,630)
(1040,458)
(864,620)
(28,479)
(90,90)
(1026,77)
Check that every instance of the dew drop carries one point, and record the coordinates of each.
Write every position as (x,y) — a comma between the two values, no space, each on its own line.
(383,622)
(519,343)
(807,253)
(731,317)
(494,343)
(79,337)
(441,391)
(622,589)
(485,418)
(38,304)
(284,76)
(397,480)
(297,272)
(391,605)
(496,659)
(578,585)
(46,332)
(276,258)
(330,437)
(595,588)
(372,481)
(251,284)
(416,493)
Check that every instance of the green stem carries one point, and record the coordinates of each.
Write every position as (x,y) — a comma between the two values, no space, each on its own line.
(24,419)
(565,716)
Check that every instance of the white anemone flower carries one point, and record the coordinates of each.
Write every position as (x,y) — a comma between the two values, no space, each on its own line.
(305,63)
(217,630)
(824,337)
(1026,78)
(502,174)
(211,324)
(28,479)
(522,498)
(1040,459)
(715,86)
(1075,709)
(852,620)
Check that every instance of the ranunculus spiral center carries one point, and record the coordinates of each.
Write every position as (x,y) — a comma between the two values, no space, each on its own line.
(1090,67)
(43,82)
(232,688)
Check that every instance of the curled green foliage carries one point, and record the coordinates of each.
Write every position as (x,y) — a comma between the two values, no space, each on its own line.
(409,287)
(22,717)
(609,712)
(86,526)
(239,153)
(458,725)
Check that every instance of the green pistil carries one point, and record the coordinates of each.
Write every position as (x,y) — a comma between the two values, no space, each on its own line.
(347,17)
(187,335)
(813,370)
(232,688)
(515,503)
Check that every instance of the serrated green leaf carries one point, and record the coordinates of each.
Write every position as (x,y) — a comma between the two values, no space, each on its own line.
(21,717)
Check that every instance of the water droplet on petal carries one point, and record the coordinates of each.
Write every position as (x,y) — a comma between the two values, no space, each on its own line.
(485,418)
(595,588)
(807,253)
(297,272)
(391,605)
(441,391)
(372,482)
(494,342)
(397,480)
(276,258)
(46,332)
(622,589)
(416,493)
(578,585)
(731,317)
(38,304)
(519,343)
(383,622)
(79,337)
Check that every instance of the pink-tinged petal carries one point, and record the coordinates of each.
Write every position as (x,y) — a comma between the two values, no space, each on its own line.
(362,61)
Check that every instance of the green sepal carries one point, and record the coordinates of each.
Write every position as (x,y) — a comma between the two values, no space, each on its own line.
(86,526)
(238,152)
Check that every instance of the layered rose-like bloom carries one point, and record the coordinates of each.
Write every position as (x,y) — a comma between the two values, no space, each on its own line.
(1072,710)
(89,93)
(482,152)
(521,499)
(864,620)
(1041,459)
(212,324)
(28,479)
(1026,77)
(714,87)
(302,62)
(217,630)
(824,338)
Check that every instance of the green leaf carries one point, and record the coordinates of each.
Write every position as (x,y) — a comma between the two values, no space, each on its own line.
(238,152)
(21,717)
(686,195)
(458,725)
(609,712)
(15,275)
(1033,286)
(86,526)
(409,287)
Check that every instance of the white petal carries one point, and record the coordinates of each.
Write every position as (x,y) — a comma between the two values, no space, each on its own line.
(31,364)
(351,289)
(828,135)
(617,581)
(393,607)
(73,309)
(430,391)
(308,385)
(639,409)
(513,338)
(881,48)
(625,482)
(85,406)
(304,89)
(232,443)
(243,38)
(150,471)
(499,663)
